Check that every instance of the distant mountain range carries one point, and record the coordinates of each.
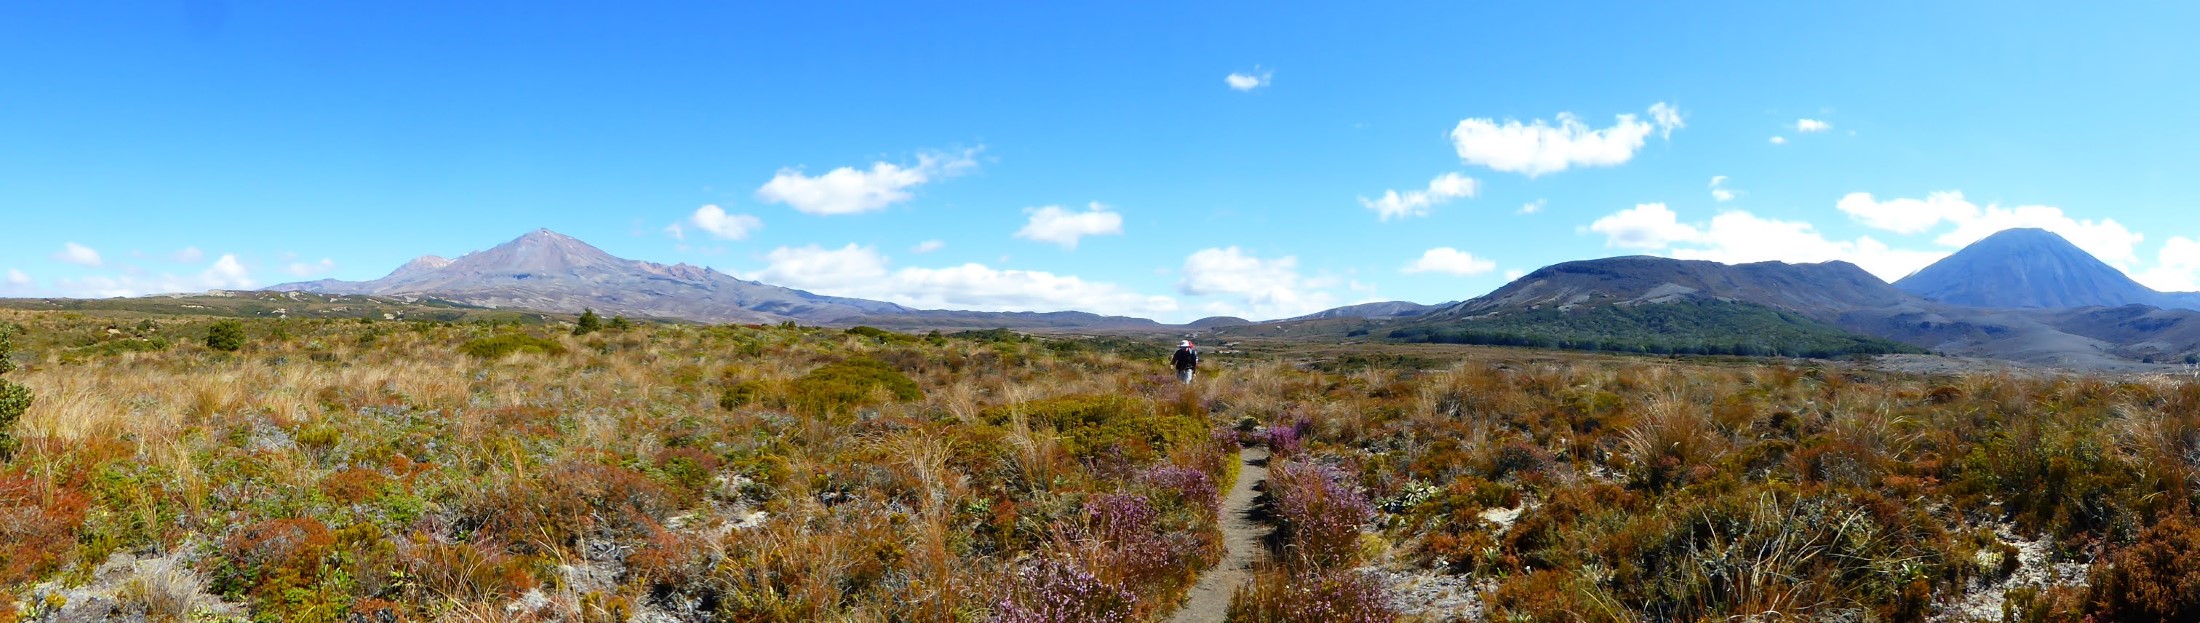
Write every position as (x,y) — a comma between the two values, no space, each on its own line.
(548,271)
(2023,295)
(2056,305)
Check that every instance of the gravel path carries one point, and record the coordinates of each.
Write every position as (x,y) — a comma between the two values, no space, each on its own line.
(1241,538)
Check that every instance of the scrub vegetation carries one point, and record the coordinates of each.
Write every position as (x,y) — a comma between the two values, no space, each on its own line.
(342,470)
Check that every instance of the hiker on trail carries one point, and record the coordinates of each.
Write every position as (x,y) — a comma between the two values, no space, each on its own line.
(1186,361)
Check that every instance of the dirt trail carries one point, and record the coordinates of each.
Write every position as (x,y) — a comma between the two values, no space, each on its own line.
(1241,537)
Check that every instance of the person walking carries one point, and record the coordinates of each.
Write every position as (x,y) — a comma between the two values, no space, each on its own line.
(1186,360)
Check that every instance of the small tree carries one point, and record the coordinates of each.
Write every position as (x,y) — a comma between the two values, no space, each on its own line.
(14,399)
(620,323)
(589,323)
(226,336)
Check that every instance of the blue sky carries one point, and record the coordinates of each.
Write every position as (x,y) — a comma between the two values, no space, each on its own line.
(1146,159)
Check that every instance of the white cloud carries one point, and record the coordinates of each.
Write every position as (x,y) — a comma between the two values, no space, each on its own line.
(928,246)
(1779,140)
(1055,225)
(1539,147)
(846,190)
(303,269)
(1450,261)
(2177,267)
(861,271)
(1532,207)
(187,255)
(17,278)
(1248,82)
(78,254)
(1645,226)
(1514,275)
(2106,239)
(1719,191)
(1667,117)
(1807,126)
(1441,190)
(1264,288)
(1907,216)
(1739,237)
(227,273)
(713,219)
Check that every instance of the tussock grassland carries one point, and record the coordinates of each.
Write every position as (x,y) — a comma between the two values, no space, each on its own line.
(342,470)
(375,471)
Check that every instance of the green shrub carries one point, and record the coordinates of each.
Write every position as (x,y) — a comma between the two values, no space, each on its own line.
(226,336)
(741,394)
(14,399)
(1092,425)
(589,323)
(852,383)
(881,335)
(502,345)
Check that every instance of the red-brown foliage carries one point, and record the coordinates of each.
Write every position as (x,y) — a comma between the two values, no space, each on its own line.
(38,526)
(2154,579)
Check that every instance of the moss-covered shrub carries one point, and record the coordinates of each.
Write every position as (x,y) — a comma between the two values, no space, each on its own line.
(1094,425)
(851,383)
(501,346)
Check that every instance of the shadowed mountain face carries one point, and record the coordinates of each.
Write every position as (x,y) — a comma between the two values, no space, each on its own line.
(1821,291)
(2029,268)
(548,271)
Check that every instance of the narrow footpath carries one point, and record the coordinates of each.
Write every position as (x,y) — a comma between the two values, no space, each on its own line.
(1241,538)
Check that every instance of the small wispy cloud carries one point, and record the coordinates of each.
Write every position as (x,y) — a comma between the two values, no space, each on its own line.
(78,254)
(1248,81)
(1719,191)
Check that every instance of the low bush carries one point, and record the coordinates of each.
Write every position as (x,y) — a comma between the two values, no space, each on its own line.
(501,346)
(1125,428)
(42,526)
(852,383)
(1320,514)
(14,399)
(2153,579)
(1053,590)
(1278,594)
(226,336)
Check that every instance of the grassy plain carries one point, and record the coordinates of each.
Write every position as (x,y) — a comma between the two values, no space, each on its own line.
(371,470)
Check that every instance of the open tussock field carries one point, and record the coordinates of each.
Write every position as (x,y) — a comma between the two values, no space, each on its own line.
(329,470)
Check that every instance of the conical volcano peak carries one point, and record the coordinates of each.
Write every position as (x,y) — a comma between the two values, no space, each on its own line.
(2027,268)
